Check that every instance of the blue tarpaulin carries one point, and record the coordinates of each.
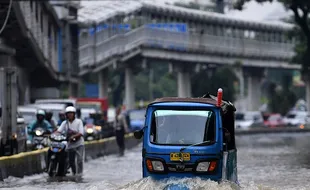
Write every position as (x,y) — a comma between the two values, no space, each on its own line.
(99,28)
(92,90)
(173,27)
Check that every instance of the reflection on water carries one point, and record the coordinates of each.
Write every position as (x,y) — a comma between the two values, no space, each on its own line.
(280,161)
(273,161)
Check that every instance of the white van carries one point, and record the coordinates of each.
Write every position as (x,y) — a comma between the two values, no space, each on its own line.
(247,120)
(28,112)
(55,108)
(67,102)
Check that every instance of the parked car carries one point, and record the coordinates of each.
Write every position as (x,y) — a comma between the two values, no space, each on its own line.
(247,120)
(274,120)
(296,118)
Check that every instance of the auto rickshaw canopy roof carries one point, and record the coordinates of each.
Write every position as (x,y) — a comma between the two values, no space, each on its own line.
(206,99)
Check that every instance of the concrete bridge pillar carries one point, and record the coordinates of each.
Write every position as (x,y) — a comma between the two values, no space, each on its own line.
(129,88)
(103,83)
(73,89)
(184,82)
(241,103)
(254,78)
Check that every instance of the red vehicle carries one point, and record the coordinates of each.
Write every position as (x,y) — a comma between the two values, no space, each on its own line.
(99,104)
(274,120)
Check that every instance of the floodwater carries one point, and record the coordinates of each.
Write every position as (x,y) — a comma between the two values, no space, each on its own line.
(273,161)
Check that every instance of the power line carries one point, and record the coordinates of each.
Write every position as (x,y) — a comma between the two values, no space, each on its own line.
(7,17)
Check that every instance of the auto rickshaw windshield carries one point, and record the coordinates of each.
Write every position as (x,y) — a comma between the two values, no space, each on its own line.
(182,127)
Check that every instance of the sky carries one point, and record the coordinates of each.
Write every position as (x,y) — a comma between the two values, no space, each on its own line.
(261,12)
(252,10)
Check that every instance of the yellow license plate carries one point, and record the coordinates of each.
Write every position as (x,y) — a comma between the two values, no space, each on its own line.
(177,156)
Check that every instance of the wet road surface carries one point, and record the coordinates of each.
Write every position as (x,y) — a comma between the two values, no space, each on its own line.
(273,161)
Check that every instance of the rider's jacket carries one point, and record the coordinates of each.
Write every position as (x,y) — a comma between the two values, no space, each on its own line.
(35,124)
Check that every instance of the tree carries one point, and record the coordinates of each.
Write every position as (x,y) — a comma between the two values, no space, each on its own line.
(285,96)
(223,77)
(301,10)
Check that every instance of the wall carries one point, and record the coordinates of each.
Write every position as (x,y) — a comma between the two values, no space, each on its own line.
(29,163)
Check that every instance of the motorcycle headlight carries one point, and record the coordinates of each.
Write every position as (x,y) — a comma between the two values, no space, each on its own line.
(90,130)
(38,132)
(98,128)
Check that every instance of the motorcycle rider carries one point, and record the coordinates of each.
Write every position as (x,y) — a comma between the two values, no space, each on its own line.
(39,122)
(48,117)
(74,129)
(62,117)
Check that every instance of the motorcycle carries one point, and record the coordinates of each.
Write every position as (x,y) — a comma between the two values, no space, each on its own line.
(40,139)
(57,155)
(92,133)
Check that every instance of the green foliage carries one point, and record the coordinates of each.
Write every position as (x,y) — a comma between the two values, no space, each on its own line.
(287,98)
(223,78)
(166,86)
(163,83)
(141,86)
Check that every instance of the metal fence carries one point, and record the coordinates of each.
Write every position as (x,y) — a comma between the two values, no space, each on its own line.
(94,50)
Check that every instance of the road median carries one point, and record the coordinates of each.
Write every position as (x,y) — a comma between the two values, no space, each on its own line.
(34,162)
(266,130)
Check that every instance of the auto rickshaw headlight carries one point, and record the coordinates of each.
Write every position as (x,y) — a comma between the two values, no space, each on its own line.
(206,166)
(203,167)
(155,165)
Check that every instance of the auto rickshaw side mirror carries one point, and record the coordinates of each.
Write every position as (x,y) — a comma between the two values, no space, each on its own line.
(138,134)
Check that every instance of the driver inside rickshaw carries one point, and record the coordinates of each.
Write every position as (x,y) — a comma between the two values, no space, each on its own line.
(182,127)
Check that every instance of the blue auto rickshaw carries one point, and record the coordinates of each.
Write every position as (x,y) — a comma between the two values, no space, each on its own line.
(189,137)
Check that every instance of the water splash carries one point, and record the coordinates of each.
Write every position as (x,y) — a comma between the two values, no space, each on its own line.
(192,183)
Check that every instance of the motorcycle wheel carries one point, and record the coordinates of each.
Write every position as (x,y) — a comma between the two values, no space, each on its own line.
(62,170)
(52,168)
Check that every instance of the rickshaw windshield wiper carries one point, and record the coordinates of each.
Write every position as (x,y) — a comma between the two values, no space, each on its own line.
(197,144)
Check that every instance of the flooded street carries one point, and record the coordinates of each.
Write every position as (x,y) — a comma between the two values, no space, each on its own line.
(281,161)
(273,161)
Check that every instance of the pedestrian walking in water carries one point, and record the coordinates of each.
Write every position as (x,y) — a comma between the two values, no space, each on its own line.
(121,127)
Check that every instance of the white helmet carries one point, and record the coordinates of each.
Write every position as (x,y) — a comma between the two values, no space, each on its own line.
(40,112)
(70,109)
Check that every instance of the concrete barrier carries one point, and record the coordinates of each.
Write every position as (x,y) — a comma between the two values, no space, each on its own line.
(34,162)
(266,130)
